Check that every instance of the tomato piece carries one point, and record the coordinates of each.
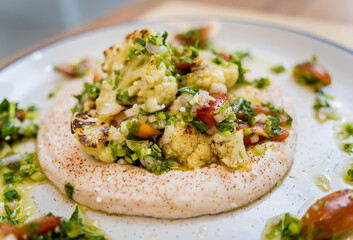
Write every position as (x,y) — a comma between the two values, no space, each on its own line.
(185,66)
(312,72)
(20,115)
(146,132)
(329,217)
(45,224)
(261,109)
(206,114)
(282,137)
(192,36)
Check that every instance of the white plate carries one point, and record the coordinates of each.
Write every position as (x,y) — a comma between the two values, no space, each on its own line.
(31,78)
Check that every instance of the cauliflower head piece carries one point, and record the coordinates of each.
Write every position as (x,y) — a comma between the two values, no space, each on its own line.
(189,147)
(92,134)
(211,73)
(141,77)
(231,150)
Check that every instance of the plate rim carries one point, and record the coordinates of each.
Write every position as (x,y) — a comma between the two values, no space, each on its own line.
(243,21)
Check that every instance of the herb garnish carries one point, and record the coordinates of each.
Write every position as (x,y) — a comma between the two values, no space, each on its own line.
(69,189)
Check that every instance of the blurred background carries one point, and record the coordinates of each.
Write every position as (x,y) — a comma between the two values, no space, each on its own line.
(26,24)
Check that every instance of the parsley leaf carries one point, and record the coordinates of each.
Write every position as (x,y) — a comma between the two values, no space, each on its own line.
(262,83)
(189,90)
(69,189)
(278,69)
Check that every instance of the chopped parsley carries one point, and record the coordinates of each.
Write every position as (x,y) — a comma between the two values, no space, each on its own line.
(288,227)
(262,83)
(259,149)
(348,148)
(346,132)
(228,124)
(133,128)
(240,55)
(11,195)
(117,79)
(277,111)
(90,92)
(221,108)
(278,69)
(350,174)
(123,97)
(242,106)
(199,125)
(16,123)
(69,189)
(272,127)
(189,90)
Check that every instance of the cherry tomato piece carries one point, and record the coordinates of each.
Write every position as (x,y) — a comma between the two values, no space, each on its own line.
(184,66)
(206,114)
(45,224)
(329,217)
(146,132)
(312,72)
(282,137)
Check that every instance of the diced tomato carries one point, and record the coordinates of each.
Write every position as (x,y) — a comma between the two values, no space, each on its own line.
(146,132)
(282,137)
(20,115)
(97,75)
(329,217)
(45,224)
(313,70)
(206,114)
(184,66)
(261,109)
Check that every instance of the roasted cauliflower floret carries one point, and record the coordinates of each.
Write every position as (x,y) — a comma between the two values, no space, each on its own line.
(188,146)
(106,105)
(231,150)
(204,77)
(92,134)
(141,77)
(116,56)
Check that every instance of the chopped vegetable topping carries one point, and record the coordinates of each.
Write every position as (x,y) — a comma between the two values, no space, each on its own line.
(288,227)
(347,131)
(259,149)
(69,189)
(348,148)
(90,93)
(53,228)
(262,82)
(278,69)
(80,68)
(15,123)
(312,74)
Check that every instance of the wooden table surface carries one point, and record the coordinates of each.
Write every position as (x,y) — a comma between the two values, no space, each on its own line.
(328,18)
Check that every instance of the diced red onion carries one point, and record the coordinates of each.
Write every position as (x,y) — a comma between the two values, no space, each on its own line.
(152,48)
(131,112)
(212,130)
(144,84)
(152,118)
(254,138)
(183,101)
(13,158)
(168,134)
